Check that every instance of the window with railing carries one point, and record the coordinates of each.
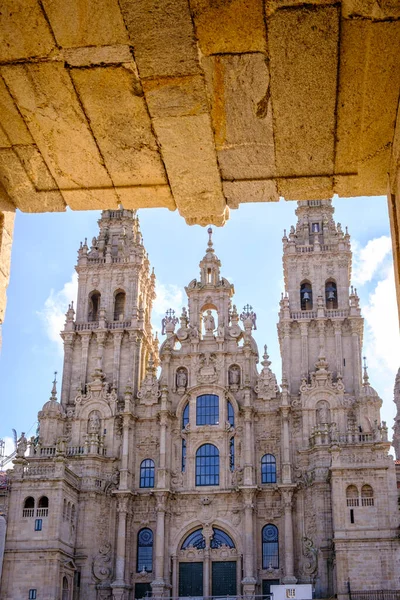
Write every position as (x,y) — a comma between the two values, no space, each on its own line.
(29,507)
(352,496)
(367,495)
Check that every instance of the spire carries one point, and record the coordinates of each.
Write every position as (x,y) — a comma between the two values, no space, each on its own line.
(210,265)
(365,378)
(210,247)
(54,388)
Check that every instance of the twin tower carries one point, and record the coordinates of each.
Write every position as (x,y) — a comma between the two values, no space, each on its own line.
(185,470)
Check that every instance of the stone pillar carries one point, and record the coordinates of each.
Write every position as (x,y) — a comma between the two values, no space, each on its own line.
(321,335)
(337,325)
(304,348)
(286,351)
(206,571)
(119,585)
(85,337)
(175,590)
(287,496)
(286,466)
(158,585)
(68,339)
(117,335)
(355,328)
(101,340)
(248,440)
(248,581)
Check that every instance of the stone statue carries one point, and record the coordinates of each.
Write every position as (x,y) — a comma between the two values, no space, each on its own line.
(94,423)
(234,375)
(209,322)
(323,415)
(181,378)
(22,445)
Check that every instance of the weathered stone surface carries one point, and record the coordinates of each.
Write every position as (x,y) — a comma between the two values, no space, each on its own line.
(96,55)
(47,100)
(189,156)
(7,216)
(35,167)
(370,9)
(162,36)
(306,188)
(113,102)
(91,199)
(23,30)
(13,124)
(303,46)
(146,197)
(241,111)
(229,27)
(88,23)
(176,96)
(20,188)
(238,192)
(4,141)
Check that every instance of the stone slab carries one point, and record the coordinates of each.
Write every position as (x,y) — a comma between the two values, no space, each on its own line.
(146,197)
(4,141)
(96,55)
(114,104)
(88,23)
(100,199)
(49,105)
(241,113)
(303,44)
(11,119)
(35,167)
(190,159)
(229,27)
(24,30)
(176,96)
(162,35)
(240,192)
(306,188)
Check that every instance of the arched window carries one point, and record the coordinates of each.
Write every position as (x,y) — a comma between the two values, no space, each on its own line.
(231,414)
(306,301)
(220,538)
(367,495)
(94,306)
(207,410)
(185,416)
(119,306)
(147,473)
(144,551)
(29,507)
(270,547)
(43,507)
(268,469)
(194,540)
(331,298)
(65,589)
(183,455)
(232,454)
(352,495)
(207,465)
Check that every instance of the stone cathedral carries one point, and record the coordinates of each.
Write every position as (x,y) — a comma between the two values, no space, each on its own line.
(185,469)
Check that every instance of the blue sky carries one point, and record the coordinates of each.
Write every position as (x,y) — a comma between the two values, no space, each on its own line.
(250,248)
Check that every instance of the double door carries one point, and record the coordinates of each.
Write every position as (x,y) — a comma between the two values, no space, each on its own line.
(223,579)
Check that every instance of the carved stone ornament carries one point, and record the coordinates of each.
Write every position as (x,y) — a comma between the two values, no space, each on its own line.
(310,553)
(150,389)
(102,564)
(266,387)
(321,378)
(97,390)
(208,366)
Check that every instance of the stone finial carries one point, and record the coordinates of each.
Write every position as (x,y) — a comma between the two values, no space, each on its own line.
(249,317)
(168,322)
(365,367)
(54,388)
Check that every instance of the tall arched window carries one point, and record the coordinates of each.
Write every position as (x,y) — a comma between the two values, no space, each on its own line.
(268,469)
(43,507)
(331,298)
(94,306)
(231,414)
(185,416)
(144,551)
(29,507)
(65,589)
(119,306)
(306,301)
(147,473)
(270,547)
(352,495)
(367,495)
(207,410)
(207,465)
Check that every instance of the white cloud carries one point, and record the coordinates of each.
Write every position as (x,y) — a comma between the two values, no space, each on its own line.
(167,296)
(55,307)
(367,260)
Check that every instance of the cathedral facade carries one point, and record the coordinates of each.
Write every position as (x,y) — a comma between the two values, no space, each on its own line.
(185,470)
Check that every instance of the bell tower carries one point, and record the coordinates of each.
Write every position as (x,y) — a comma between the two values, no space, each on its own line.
(319,311)
(109,338)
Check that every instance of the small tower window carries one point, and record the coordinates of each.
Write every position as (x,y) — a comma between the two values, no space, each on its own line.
(29,507)
(43,507)
(209,276)
(94,306)
(119,306)
(352,496)
(315,228)
(367,495)
(65,589)
(38,524)
(306,301)
(32,594)
(331,294)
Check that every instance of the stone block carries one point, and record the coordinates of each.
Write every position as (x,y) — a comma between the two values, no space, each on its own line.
(239,192)
(96,55)
(48,102)
(176,96)
(11,121)
(146,197)
(24,30)
(20,189)
(370,9)
(189,155)
(306,188)
(100,199)
(241,113)
(35,167)
(229,27)
(114,104)
(162,35)
(4,141)
(303,46)
(88,23)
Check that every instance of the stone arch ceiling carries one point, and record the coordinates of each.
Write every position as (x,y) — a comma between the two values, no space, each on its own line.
(196,105)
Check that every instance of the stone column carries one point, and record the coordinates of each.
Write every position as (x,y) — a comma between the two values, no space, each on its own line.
(286,350)
(355,330)
(304,348)
(248,435)
(119,585)
(321,335)
(175,590)
(101,340)
(206,571)
(248,581)
(68,339)
(287,496)
(85,337)
(158,585)
(117,335)
(337,325)
(286,466)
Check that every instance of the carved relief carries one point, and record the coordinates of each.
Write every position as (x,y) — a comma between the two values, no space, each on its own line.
(102,564)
